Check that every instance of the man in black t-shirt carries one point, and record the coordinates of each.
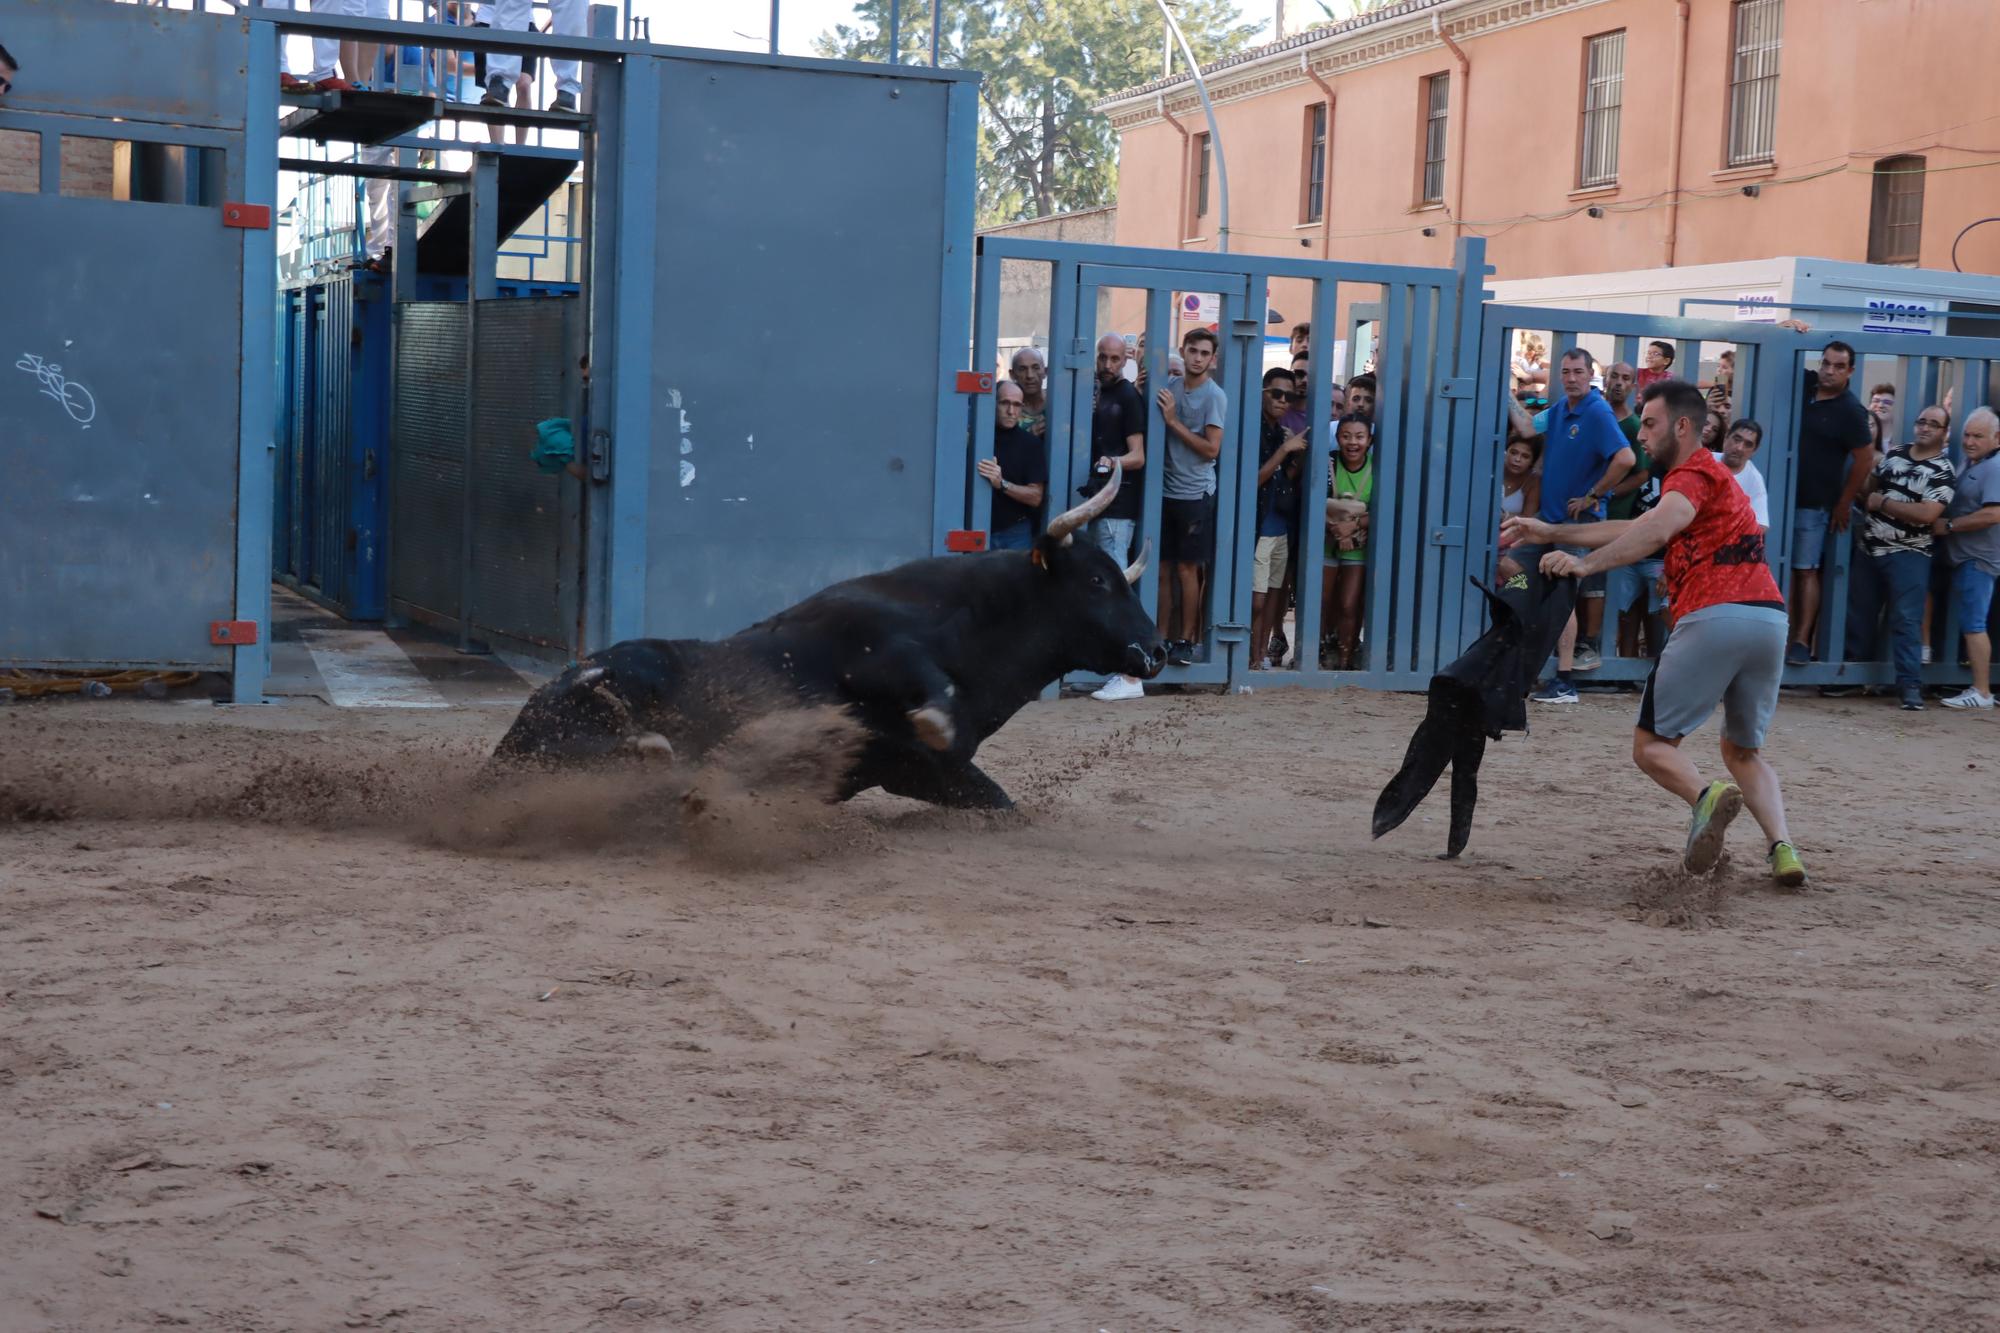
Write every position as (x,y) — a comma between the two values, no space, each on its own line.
(1018,472)
(1835,453)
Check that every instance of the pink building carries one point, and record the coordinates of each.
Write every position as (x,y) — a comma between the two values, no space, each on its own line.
(1584,136)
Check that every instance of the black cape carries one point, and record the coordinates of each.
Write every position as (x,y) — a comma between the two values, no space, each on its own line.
(1477,697)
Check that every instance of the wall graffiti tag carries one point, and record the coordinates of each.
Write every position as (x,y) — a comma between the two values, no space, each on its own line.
(75,399)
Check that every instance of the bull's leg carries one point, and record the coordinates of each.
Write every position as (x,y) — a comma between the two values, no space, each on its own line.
(900,673)
(959,784)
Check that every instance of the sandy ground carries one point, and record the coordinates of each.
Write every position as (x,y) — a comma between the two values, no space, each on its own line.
(1180,1049)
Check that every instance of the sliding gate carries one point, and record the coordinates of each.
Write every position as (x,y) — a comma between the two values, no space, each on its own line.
(1426,536)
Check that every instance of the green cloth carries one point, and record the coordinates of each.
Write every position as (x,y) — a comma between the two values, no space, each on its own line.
(554,445)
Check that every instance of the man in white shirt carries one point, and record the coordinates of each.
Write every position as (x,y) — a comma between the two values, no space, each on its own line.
(1737,448)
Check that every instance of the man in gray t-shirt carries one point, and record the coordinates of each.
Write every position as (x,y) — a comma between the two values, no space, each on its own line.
(1971,531)
(1193,408)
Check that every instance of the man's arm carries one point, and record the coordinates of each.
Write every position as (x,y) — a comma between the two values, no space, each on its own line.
(1985,516)
(1638,538)
(1922,513)
(1621,462)
(1860,464)
(1632,480)
(1524,425)
(1292,445)
(1206,444)
(1524,528)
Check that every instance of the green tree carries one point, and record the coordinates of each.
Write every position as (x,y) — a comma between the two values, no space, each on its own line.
(1042,148)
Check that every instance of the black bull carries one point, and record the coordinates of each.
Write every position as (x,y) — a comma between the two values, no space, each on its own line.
(931,658)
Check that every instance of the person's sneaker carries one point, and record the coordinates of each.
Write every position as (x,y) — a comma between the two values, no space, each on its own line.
(1120,687)
(1969,698)
(564,101)
(1280,645)
(1913,699)
(1587,657)
(1180,652)
(1786,868)
(496,91)
(1719,803)
(1555,692)
(1839,691)
(1927,654)
(1798,654)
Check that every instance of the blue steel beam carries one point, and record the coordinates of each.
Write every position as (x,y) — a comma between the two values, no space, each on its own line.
(956,249)
(1204,262)
(251,182)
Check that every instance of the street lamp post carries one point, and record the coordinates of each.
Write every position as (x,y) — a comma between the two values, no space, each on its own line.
(1214,133)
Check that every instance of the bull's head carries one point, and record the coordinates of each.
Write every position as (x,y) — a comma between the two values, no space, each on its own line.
(1104,626)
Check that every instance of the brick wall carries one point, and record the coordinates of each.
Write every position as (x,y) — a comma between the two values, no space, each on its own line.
(88,165)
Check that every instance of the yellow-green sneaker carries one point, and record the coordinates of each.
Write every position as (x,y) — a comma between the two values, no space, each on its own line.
(1719,804)
(1786,868)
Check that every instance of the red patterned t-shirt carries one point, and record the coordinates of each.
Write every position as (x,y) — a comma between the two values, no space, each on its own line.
(1719,557)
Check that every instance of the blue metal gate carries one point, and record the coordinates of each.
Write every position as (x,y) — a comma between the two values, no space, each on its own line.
(134,521)
(1768,389)
(1429,479)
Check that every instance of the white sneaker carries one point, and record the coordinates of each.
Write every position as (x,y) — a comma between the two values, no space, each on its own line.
(1120,687)
(1927,654)
(1970,698)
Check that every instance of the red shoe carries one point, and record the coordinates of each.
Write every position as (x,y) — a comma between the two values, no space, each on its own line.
(333,83)
(292,83)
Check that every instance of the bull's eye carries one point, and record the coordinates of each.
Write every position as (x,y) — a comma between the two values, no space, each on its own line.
(1097,581)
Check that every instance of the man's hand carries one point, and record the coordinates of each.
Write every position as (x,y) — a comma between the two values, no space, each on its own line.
(1519,528)
(1580,506)
(1795,325)
(989,468)
(1840,516)
(1561,564)
(1165,399)
(1938,528)
(1292,445)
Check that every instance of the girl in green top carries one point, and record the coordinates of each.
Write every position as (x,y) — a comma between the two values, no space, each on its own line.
(1346,572)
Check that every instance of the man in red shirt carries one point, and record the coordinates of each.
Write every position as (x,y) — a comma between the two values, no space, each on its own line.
(1729,626)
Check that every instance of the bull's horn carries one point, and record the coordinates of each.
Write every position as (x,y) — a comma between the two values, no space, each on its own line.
(1069,520)
(1137,569)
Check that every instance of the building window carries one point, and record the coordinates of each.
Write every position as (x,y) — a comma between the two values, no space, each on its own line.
(1437,104)
(1753,80)
(1896,222)
(1315,174)
(1603,100)
(1201,179)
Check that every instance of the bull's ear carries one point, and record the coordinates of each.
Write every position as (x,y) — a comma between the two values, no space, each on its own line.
(1043,553)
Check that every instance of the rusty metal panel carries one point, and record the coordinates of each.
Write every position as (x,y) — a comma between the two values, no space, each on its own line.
(167,66)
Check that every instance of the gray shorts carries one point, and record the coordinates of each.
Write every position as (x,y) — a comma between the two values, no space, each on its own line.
(1733,655)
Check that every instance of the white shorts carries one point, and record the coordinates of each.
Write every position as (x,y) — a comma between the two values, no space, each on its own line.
(1267,568)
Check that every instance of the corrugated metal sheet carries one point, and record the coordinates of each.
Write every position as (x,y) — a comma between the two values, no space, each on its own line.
(518,535)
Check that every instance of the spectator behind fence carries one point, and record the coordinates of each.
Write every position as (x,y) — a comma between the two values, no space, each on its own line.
(1302,340)
(1739,446)
(1631,592)
(1018,472)
(1297,420)
(1584,455)
(1361,398)
(1971,531)
(1344,572)
(1531,366)
(1117,433)
(1904,495)
(1279,453)
(1882,410)
(1833,461)
(1722,390)
(1193,409)
(1520,489)
(1032,374)
(567,19)
(1659,359)
(9,67)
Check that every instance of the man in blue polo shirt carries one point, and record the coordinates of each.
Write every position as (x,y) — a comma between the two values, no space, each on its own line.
(1584,455)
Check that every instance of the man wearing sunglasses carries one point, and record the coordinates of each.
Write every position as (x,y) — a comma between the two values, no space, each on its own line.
(1903,497)
(1279,451)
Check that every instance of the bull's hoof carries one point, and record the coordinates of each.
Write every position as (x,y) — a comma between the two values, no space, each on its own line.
(651,746)
(933,727)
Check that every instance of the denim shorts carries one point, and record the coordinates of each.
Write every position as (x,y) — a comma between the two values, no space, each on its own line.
(1625,583)
(1808,538)
(1972,593)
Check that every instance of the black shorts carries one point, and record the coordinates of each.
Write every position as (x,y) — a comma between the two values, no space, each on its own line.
(1187,530)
